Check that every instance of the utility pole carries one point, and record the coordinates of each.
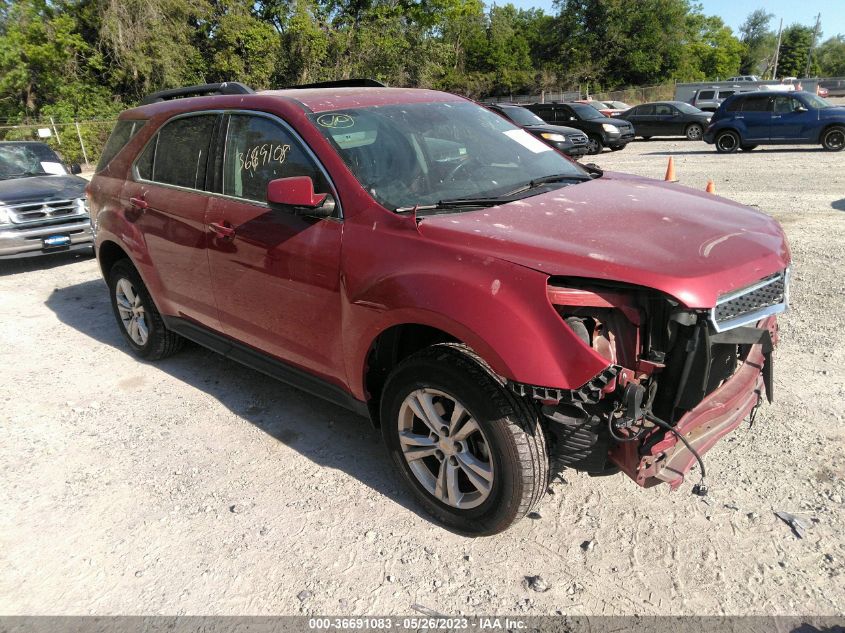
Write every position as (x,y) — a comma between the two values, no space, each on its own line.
(813,44)
(777,51)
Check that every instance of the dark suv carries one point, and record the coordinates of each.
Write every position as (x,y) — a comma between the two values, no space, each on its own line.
(42,207)
(601,130)
(498,310)
(568,140)
(747,120)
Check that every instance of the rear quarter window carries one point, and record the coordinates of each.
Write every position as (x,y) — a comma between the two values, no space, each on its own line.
(706,94)
(121,134)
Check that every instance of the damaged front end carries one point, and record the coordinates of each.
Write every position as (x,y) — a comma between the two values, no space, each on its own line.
(676,381)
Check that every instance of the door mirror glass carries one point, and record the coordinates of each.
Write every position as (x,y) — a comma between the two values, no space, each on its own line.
(296,194)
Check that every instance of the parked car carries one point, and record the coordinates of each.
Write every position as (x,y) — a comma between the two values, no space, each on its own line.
(615,108)
(601,131)
(42,206)
(568,140)
(709,99)
(498,310)
(745,121)
(667,118)
(744,78)
(603,107)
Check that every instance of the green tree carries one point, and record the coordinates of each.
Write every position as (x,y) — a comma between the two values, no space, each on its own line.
(711,52)
(831,57)
(758,43)
(42,57)
(152,44)
(794,49)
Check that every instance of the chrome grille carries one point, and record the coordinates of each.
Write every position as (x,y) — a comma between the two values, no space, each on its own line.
(578,139)
(31,212)
(767,296)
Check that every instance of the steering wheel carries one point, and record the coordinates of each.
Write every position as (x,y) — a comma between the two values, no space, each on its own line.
(455,171)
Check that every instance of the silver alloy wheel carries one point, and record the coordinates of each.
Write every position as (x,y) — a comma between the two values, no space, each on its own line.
(131,311)
(445,448)
(694,132)
(593,146)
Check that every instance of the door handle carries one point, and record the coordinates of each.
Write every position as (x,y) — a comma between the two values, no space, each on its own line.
(139,203)
(224,231)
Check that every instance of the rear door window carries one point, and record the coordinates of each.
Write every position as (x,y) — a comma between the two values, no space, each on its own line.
(178,155)
(757,103)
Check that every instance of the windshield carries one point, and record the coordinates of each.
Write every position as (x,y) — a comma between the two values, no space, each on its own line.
(23,160)
(585,111)
(423,153)
(817,102)
(521,116)
(687,108)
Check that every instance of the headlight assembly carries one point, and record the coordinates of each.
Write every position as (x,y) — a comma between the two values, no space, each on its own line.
(607,127)
(557,138)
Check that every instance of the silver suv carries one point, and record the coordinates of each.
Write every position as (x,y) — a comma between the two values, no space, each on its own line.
(709,99)
(42,207)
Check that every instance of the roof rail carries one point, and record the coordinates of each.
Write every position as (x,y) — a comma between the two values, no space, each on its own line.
(343,83)
(226,88)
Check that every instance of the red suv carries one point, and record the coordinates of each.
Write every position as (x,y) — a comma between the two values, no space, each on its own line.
(498,310)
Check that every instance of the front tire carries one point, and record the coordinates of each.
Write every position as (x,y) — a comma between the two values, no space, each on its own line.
(727,142)
(137,317)
(594,145)
(833,139)
(694,132)
(472,453)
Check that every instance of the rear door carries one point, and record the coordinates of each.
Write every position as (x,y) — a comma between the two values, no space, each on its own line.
(277,276)
(756,117)
(642,119)
(167,202)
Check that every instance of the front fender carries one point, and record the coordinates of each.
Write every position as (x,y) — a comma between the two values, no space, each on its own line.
(500,309)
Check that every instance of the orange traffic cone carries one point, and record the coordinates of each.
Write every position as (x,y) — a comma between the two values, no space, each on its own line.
(670,171)
(711,187)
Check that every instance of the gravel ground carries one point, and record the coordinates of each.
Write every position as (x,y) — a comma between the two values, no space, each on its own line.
(197,486)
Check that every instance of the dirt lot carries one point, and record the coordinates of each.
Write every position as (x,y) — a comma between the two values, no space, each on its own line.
(198,486)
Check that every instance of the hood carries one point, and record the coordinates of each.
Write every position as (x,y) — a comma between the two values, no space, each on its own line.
(553,129)
(691,245)
(41,188)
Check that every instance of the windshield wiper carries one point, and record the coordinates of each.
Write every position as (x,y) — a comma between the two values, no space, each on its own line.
(495,200)
(536,182)
(23,174)
(456,202)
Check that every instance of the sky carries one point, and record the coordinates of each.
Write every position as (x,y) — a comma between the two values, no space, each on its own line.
(734,12)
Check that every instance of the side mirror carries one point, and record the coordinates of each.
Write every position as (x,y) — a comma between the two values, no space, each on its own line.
(800,108)
(75,168)
(296,195)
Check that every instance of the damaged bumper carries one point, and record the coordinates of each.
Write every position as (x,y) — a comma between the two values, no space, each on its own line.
(715,416)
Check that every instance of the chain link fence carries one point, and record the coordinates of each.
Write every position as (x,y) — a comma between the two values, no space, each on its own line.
(632,96)
(75,141)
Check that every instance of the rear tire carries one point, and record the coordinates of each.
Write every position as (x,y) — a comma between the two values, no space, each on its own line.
(594,145)
(694,132)
(727,142)
(833,138)
(136,314)
(472,453)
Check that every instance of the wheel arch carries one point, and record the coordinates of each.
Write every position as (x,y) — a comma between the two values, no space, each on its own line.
(108,254)
(827,127)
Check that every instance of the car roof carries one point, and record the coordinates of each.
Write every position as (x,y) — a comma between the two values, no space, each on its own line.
(311,99)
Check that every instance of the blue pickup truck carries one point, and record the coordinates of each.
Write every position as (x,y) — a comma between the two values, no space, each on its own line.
(749,119)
